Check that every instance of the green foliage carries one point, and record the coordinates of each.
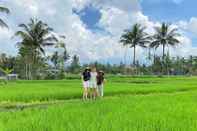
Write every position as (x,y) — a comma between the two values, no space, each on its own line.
(61,75)
(66,89)
(75,66)
(4,10)
(130,103)
(35,36)
(165,36)
(135,37)
(55,59)
(6,71)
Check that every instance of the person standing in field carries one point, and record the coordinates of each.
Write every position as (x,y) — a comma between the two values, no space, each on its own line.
(93,83)
(100,83)
(86,82)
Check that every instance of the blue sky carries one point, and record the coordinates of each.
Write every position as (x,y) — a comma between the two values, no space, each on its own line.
(169,10)
(93,27)
(157,10)
(90,16)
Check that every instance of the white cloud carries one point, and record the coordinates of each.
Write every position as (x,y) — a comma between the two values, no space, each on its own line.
(116,16)
(5,46)
(190,25)
(30,6)
(80,4)
(126,5)
(185,48)
(114,20)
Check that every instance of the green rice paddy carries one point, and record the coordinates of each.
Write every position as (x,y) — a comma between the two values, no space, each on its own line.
(130,104)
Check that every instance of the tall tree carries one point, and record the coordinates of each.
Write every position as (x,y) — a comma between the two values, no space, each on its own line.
(164,36)
(62,53)
(6,11)
(35,36)
(135,37)
(75,65)
(55,59)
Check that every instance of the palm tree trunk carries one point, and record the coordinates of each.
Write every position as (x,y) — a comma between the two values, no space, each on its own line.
(163,59)
(134,64)
(163,52)
(26,71)
(134,56)
(29,72)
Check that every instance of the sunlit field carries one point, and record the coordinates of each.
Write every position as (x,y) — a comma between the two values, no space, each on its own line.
(130,103)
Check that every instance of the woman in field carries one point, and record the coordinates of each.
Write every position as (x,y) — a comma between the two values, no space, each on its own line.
(100,83)
(86,82)
(93,83)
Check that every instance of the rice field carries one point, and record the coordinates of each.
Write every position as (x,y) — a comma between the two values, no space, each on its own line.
(130,104)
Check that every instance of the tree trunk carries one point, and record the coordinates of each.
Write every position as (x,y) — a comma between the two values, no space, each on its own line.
(30,74)
(163,59)
(163,52)
(134,56)
(134,64)
(26,71)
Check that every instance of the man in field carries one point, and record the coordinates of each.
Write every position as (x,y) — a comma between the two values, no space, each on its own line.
(100,83)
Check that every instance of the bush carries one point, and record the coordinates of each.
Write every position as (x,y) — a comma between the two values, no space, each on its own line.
(50,76)
(60,75)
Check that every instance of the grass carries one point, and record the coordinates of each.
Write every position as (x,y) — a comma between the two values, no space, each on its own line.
(131,104)
(30,91)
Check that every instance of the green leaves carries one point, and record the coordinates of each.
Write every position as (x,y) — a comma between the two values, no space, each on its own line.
(4,10)
(6,71)
(135,37)
(36,34)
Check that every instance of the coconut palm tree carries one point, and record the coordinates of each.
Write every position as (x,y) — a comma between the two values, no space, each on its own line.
(6,11)
(63,56)
(135,37)
(35,36)
(165,36)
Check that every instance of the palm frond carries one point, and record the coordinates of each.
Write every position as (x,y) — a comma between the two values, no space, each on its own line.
(4,10)
(3,24)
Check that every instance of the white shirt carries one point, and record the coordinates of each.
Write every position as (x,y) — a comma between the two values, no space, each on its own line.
(93,76)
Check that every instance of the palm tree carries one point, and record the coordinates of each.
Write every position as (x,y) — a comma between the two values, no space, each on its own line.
(165,36)
(63,57)
(55,59)
(35,36)
(6,11)
(135,37)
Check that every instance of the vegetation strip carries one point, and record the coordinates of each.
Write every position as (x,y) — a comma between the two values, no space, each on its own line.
(43,105)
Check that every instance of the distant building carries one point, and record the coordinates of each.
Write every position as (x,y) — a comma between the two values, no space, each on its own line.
(3,76)
(12,77)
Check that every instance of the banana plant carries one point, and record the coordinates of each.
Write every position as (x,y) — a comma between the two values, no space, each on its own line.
(7,71)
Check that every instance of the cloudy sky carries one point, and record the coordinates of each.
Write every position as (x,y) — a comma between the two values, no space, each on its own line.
(93,27)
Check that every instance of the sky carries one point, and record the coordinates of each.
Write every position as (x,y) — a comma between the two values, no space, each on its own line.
(93,27)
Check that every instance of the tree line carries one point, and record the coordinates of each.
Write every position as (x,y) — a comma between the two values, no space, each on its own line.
(165,36)
(36,37)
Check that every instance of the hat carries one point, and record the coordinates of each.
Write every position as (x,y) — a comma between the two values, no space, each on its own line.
(101,71)
(87,68)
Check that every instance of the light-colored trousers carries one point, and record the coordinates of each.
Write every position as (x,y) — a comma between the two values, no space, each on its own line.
(100,90)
